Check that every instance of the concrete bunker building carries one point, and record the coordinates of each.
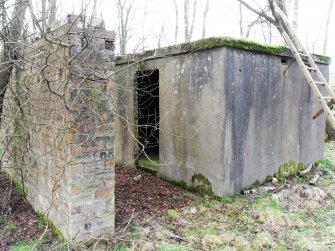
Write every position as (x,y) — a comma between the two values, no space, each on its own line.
(219,113)
(230,112)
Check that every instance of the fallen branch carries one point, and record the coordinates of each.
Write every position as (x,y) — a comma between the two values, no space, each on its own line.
(131,218)
(305,171)
(279,188)
(315,178)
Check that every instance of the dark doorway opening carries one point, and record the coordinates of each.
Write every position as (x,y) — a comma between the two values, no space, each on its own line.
(148,117)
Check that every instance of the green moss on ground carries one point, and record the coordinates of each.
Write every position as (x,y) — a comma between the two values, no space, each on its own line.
(288,169)
(45,221)
(19,188)
(30,245)
(151,164)
(201,184)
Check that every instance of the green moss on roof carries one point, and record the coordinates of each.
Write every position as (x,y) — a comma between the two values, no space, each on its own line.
(323,58)
(215,42)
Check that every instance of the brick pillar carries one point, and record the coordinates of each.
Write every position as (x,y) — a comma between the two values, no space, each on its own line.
(63,138)
(90,173)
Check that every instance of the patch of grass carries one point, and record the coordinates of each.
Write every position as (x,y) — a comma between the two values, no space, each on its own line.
(169,247)
(326,163)
(2,219)
(257,222)
(41,223)
(263,241)
(205,230)
(19,188)
(146,163)
(8,229)
(171,213)
(118,249)
(227,200)
(45,221)
(327,166)
(307,239)
(328,146)
(29,245)
(23,246)
(267,202)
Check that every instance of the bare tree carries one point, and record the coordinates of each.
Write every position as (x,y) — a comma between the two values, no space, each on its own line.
(189,18)
(48,13)
(160,35)
(246,30)
(240,19)
(11,33)
(260,12)
(272,17)
(204,19)
(295,15)
(125,10)
(177,22)
(325,42)
(52,12)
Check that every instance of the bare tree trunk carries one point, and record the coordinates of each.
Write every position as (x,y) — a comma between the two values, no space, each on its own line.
(241,20)
(177,22)
(10,54)
(44,14)
(281,4)
(251,25)
(204,14)
(186,19)
(143,27)
(295,15)
(325,42)
(160,37)
(52,16)
(193,18)
(124,9)
(189,24)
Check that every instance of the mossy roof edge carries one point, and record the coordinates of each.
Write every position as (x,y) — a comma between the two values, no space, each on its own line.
(215,42)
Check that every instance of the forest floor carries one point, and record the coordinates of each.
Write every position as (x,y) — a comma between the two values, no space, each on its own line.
(20,228)
(152,214)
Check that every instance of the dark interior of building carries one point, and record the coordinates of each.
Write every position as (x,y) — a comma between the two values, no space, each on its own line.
(148,113)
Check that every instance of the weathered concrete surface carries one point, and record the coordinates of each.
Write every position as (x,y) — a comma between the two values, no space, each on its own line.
(125,129)
(233,116)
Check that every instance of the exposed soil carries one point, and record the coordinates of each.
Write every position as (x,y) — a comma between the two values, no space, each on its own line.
(141,194)
(138,195)
(18,221)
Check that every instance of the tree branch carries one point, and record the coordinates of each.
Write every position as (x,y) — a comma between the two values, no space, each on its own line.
(260,13)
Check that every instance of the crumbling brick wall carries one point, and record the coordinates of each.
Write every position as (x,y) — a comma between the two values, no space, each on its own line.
(59,128)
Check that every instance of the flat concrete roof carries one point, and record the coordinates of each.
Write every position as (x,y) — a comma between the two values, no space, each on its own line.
(210,43)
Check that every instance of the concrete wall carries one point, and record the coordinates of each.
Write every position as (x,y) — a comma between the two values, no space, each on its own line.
(60,137)
(125,127)
(232,115)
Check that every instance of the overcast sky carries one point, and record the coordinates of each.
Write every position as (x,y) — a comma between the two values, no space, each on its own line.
(151,16)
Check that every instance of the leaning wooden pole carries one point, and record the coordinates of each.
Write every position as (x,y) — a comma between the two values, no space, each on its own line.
(325,96)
